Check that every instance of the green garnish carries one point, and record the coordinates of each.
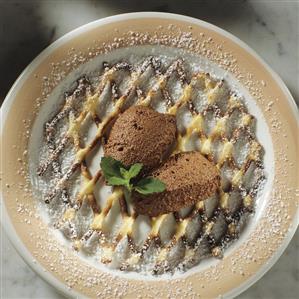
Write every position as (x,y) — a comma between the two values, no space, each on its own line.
(149,185)
(116,174)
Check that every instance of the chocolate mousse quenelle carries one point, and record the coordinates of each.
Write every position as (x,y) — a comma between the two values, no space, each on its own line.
(189,177)
(142,135)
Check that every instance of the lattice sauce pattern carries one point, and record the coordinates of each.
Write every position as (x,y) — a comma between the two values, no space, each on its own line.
(211,119)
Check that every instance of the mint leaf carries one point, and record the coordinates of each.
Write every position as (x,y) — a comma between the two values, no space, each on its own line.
(124,173)
(134,170)
(116,174)
(149,185)
(116,181)
(111,167)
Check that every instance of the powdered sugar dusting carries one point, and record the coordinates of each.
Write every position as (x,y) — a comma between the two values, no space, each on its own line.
(271,227)
(75,222)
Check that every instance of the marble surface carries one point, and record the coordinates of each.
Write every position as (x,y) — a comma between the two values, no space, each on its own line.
(270,27)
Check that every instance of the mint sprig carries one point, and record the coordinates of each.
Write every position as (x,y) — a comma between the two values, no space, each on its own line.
(116,174)
(149,185)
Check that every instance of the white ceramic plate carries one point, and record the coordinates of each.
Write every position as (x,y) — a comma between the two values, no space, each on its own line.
(276,218)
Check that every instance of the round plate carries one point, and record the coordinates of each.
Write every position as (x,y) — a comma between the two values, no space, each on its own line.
(278,212)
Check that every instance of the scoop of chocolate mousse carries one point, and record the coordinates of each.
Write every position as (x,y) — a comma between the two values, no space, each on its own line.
(140,134)
(189,177)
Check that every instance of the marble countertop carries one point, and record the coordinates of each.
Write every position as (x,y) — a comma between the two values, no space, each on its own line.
(270,27)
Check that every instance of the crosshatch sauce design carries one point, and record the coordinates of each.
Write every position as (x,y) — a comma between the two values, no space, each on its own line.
(219,126)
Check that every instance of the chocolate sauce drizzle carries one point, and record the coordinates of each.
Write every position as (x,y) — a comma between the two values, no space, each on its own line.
(86,96)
